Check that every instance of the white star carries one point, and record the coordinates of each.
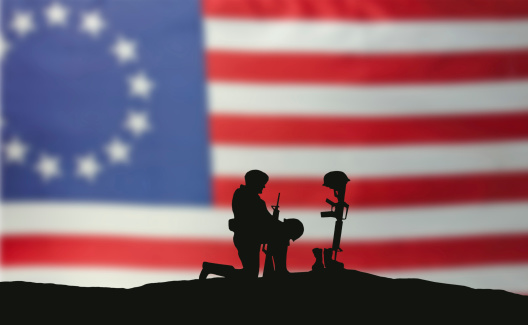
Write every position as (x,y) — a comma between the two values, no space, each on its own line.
(140,85)
(118,151)
(5,46)
(48,167)
(56,14)
(92,23)
(88,167)
(124,50)
(137,123)
(15,151)
(22,23)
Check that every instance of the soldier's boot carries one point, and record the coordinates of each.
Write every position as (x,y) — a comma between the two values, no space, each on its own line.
(226,271)
(318,265)
(329,262)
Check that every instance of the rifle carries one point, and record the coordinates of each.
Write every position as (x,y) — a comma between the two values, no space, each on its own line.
(336,212)
(276,207)
(268,263)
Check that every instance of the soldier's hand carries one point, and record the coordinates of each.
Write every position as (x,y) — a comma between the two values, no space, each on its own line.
(276,213)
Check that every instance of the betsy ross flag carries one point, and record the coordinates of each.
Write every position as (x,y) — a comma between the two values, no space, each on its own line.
(127,126)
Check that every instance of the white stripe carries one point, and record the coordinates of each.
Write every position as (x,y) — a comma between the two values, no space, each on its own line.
(113,219)
(359,37)
(294,161)
(335,100)
(512,278)
(433,222)
(95,277)
(174,222)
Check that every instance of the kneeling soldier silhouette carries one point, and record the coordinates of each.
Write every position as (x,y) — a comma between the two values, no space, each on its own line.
(254,226)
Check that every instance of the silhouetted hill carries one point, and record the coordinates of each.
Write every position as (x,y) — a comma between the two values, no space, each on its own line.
(339,297)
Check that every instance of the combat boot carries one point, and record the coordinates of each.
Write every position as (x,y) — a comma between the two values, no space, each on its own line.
(226,271)
(318,265)
(329,262)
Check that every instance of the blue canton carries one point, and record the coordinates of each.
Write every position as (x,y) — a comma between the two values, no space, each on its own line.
(104,100)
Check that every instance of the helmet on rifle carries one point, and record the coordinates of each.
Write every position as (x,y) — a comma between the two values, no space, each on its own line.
(335,180)
(294,228)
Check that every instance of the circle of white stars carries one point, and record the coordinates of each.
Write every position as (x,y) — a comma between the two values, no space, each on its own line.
(88,165)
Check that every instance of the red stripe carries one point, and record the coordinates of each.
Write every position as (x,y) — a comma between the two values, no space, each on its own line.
(367,10)
(287,130)
(185,253)
(387,192)
(366,69)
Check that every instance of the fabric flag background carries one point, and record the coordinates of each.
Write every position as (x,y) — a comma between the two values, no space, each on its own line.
(127,126)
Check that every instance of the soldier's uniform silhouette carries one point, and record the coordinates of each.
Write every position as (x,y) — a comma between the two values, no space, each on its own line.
(253,225)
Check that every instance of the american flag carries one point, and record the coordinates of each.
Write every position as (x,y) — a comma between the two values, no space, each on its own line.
(127,126)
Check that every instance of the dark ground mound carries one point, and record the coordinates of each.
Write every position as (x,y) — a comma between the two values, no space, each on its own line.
(345,296)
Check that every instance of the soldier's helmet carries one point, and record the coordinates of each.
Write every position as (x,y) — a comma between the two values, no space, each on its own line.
(294,228)
(256,177)
(335,180)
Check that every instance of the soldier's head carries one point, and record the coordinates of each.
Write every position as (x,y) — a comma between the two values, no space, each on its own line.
(256,180)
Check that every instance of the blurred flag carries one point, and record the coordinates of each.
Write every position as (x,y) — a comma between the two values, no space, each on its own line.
(127,126)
